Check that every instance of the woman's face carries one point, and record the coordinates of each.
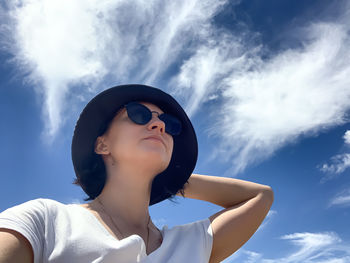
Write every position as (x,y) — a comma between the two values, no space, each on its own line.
(128,143)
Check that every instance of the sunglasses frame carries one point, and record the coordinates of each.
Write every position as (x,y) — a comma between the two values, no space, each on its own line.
(168,119)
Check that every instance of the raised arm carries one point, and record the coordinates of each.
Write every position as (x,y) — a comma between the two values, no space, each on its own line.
(14,247)
(246,205)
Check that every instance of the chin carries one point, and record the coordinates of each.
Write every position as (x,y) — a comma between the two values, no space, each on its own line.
(157,160)
(157,152)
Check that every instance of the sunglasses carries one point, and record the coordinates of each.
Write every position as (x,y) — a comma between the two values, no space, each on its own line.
(140,114)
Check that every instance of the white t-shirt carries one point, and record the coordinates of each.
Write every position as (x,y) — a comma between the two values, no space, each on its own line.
(70,233)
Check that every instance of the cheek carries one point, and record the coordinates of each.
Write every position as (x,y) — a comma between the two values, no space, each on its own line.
(122,144)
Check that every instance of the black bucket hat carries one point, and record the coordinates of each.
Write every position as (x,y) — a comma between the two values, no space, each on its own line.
(101,110)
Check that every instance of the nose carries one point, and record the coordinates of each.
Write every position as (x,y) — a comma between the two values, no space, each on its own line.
(156,124)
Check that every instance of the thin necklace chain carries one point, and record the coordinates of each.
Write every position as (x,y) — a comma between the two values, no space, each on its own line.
(115,225)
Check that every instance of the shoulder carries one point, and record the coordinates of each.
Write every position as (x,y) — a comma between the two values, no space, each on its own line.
(200,229)
(38,203)
(27,223)
(36,207)
(193,226)
(193,241)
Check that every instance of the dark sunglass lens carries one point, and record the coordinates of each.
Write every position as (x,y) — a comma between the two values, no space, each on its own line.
(138,113)
(172,124)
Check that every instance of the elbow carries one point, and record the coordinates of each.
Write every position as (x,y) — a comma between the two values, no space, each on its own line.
(268,195)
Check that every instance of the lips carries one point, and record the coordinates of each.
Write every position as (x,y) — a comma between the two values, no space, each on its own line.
(155,137)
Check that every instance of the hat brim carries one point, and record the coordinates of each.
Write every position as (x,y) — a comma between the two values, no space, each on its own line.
(102,109)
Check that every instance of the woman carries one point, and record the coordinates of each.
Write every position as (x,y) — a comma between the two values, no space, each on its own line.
(134,146)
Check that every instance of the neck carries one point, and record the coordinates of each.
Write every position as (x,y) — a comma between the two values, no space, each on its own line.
(126,198)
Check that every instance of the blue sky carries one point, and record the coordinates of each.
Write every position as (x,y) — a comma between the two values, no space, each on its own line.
(266,85)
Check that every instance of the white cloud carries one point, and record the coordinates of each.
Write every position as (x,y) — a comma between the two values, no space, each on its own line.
(200,77)
(298,92)
(271,214)
(63,43)
(347,137)
(252,257)
(338,164)
(315,247)
(265,103)
(310,243)
(324,247)
(341,199)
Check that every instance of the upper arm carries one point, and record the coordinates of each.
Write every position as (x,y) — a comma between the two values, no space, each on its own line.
(14,247)
(233,226)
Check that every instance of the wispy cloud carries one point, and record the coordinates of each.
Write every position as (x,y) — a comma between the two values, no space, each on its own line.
(324,247)
(298,92)
(66,44)
(252,257)
(268,103)
(341,199)
(311,245)
(338,163)
(271,214)
(347,137)
(315,247)
(71,47)
(202,76)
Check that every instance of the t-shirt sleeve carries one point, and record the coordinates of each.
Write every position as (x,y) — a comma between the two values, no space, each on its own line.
(29,220)
(205,231)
